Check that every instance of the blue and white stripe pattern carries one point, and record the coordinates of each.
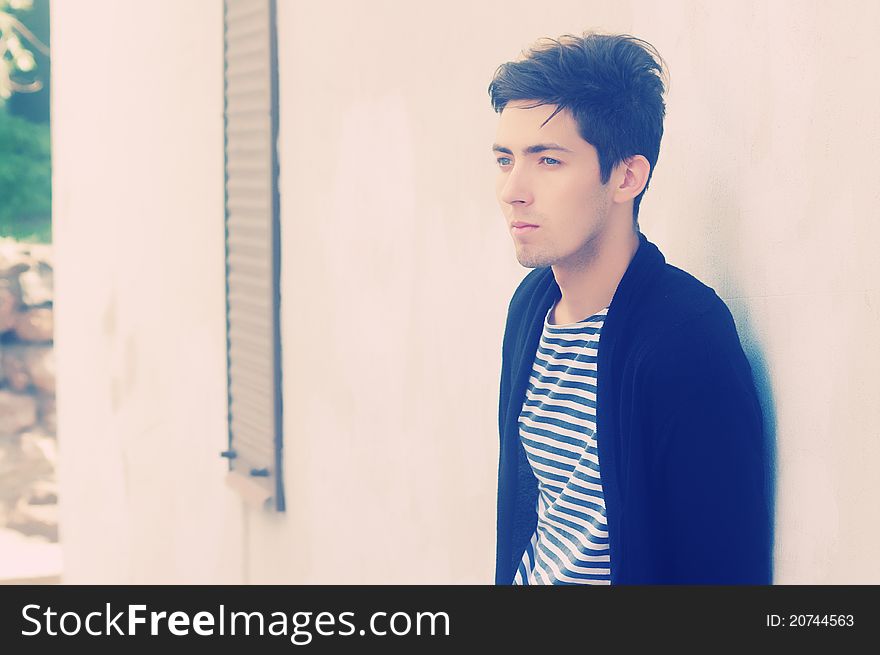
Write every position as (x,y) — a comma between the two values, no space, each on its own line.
(557,426)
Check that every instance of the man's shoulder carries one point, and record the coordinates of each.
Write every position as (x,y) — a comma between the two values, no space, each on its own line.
(687,315)
(676,297)
(692,358)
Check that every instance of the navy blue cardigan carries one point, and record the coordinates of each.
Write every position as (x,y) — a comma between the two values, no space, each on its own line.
(680,432)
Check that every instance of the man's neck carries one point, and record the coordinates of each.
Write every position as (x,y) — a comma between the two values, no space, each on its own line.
(588,285)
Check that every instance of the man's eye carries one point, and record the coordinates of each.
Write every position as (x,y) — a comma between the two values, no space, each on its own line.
(551,161)
(503,161)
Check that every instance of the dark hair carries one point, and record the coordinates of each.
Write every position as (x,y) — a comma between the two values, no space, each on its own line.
(613,86)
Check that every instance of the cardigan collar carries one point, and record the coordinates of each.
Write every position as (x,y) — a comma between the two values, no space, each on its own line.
(645,262)
(644,267)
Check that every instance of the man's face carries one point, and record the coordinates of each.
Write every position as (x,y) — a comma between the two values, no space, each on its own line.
(548,177)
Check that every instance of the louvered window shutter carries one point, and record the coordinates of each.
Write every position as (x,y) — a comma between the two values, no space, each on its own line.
(252,251)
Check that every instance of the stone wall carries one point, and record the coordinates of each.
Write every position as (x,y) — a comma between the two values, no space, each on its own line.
(28,491)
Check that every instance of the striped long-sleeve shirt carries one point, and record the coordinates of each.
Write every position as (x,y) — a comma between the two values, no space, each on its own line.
(557,426)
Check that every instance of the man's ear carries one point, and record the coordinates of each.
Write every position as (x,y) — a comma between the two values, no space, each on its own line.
(631,177)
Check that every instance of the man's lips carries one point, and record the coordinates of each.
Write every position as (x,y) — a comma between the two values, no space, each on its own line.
(521,227)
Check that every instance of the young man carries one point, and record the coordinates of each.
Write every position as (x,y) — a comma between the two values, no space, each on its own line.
(632,447)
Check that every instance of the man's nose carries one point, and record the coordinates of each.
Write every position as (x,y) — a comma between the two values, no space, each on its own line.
(516,188)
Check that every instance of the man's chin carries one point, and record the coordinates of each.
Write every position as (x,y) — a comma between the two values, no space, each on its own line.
(529,257)
(532,262)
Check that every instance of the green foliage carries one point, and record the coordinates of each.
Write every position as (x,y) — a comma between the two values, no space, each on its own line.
(34,105)
(25,179)
(16,57)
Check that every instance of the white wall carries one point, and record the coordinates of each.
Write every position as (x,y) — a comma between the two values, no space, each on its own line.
(397,272)
(137,122)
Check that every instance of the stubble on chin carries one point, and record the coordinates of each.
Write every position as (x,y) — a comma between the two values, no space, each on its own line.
(532,259)
(580,258)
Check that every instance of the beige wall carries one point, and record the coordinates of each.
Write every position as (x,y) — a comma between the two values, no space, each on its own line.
(397,272)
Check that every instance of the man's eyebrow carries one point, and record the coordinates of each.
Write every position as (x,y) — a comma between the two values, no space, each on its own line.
(531,150)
